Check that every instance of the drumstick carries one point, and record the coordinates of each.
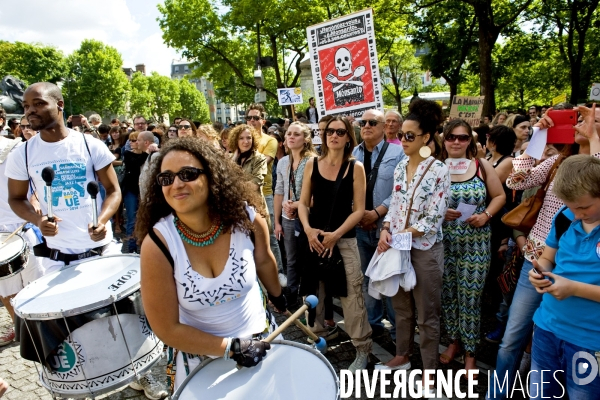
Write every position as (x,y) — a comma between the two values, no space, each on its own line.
(310,301)
(319,342)
(13,234)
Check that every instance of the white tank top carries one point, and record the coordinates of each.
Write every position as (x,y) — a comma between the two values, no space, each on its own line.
(229,305)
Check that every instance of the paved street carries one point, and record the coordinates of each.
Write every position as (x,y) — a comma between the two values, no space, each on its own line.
(24,383)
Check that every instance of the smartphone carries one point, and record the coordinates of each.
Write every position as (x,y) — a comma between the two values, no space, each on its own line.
(76,120)
(537,271)
(562,131)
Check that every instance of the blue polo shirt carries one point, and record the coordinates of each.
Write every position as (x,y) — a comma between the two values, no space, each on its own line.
(575,320)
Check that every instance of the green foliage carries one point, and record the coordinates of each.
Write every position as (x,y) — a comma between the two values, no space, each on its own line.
(96,80)
(32,62)
(401,73)
(192,102)
(140,97)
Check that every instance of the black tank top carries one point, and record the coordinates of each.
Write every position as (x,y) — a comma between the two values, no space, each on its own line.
(322,192)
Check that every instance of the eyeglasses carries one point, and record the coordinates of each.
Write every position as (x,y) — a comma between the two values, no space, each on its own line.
(185,174)
(132,140)
(140,123)
(371,122)
(461,138)
(184,127)
(339,132)
(25,126)
(409,137)
(253,117)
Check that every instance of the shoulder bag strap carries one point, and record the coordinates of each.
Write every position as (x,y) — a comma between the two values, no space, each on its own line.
(415,191)
(90,153)
(32,187)
(552,172)
(373,174)
(336,187)
(292,181)
(162,247)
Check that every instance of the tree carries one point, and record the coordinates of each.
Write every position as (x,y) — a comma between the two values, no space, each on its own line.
(140,96)
(32,62)
(96,80)
(448,39)
(569,22)
(165,96)
(402,70)
(192,102)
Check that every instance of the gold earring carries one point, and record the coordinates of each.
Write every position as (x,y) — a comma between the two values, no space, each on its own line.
(425,151)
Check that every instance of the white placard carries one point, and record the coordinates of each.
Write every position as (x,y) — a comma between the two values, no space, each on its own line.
(537,144)
(595,92)
(466,210)
(458,166)
(289,96)
(402,241)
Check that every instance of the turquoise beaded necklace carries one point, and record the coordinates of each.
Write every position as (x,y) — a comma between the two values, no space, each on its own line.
(197,239)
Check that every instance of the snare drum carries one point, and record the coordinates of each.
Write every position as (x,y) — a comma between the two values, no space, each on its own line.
(290,371)
(14,255)
(85,324)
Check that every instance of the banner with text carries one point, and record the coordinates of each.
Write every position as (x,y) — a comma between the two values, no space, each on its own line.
(468,108)
(344,65)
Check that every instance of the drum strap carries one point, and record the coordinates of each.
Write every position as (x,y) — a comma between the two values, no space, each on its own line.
(42,250)
(162,247)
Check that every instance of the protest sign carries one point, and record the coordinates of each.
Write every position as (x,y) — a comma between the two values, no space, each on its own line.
(344,65)
(316,134)
(561,98)
(595,92)
(289,96)
(467,108)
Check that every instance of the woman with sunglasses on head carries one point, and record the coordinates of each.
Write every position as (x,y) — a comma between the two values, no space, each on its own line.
(186,128)
(466,239)
(133,160)
(418,205)
(200,218)
(244,140)
(330,223)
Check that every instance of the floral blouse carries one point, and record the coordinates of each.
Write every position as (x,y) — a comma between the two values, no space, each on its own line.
(429,204)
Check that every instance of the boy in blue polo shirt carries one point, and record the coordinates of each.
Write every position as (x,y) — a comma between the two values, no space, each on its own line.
(566,341)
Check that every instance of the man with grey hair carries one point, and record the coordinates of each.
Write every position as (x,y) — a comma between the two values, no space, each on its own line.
(95,121)
(393,124)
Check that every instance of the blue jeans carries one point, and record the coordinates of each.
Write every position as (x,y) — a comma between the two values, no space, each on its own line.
(367,245)
(272,239)
(131,202)
(518,330)
(558,367)
(289,240)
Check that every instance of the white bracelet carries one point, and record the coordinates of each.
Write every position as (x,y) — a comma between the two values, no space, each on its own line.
(227,348)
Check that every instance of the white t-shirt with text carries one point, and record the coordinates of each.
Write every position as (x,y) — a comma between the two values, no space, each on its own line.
(73,169)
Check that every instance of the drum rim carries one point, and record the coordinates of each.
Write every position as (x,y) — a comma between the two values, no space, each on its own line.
(23,247)
(88,307)
(302,346)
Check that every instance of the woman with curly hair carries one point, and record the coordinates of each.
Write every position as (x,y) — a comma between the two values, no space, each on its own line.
(186,127)
(244,141)
(208,133)
(418,206)
(200,218)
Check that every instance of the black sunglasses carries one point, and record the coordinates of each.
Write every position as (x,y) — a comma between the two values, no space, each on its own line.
(409,137)
(173,130)
(461,138)
(339,132)
(25,126)
(371,122)
(184,127)
(185,174)
(253,117)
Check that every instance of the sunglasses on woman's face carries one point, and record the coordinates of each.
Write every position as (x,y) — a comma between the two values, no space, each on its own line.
(185,174)
(339,132)
(185,127)
(461,138)
(409,137)
(172,130)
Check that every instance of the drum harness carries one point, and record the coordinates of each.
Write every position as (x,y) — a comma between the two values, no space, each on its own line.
(42,249)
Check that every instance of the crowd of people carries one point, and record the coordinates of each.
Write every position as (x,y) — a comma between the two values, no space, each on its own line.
(195,199)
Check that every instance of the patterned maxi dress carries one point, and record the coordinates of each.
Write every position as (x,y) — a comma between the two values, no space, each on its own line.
(466,265)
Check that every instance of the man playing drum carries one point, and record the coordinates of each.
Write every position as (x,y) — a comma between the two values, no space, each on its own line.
(9,222)
(75,160)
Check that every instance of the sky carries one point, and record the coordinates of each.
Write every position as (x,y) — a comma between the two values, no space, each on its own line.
(128,25)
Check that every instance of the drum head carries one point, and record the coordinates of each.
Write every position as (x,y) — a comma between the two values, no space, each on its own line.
(290,371)
(12,248)
(79,289)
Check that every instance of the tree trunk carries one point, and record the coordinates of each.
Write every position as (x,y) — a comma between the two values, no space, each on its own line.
(488,34)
